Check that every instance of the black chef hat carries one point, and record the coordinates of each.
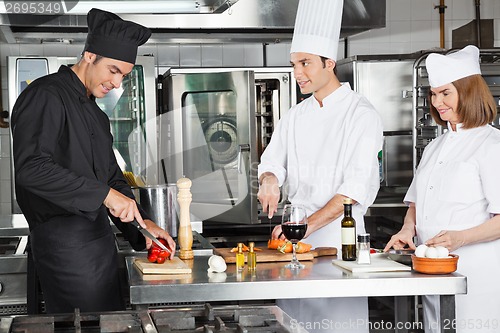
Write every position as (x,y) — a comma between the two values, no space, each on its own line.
(112,37)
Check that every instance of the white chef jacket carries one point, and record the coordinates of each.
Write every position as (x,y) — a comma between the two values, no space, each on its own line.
(322,151)
(319,152)
(456,187)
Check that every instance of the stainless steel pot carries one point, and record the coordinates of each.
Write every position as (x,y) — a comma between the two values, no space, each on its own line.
(160,202)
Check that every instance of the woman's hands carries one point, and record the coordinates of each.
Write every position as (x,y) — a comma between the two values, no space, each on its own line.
(405,235)
(401,239)
(451,239)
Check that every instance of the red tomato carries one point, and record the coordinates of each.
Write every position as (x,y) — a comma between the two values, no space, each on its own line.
(160,260)
(156,254)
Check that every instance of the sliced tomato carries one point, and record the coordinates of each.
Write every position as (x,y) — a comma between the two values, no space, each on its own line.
(160,260)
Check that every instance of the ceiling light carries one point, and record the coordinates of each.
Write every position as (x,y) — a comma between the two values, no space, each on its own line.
(138,7)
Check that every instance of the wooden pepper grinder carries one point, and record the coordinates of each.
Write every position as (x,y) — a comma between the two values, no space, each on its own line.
(185,234)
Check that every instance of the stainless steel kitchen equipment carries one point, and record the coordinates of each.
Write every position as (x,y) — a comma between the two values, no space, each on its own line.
(160,202)
(273,281)
(215,123)
(425,128)
(13,264)
(191,319)
(219,21)
(385,80)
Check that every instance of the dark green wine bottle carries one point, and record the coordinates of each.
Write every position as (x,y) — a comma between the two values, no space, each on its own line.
(348,227)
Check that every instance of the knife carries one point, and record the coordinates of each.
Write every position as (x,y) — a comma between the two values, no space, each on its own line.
(146,233)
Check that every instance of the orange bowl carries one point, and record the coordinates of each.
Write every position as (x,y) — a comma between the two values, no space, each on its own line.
(435,265)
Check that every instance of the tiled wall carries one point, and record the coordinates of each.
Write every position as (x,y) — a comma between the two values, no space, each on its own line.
(411,25)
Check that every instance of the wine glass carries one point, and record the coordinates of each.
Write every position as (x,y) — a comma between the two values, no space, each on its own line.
(294,227)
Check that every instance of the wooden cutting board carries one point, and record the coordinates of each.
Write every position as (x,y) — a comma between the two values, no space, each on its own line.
(174,266)
(378,264)
(268,255)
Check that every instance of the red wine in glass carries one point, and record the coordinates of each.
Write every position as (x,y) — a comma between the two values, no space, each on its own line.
(294,232)
(294,227)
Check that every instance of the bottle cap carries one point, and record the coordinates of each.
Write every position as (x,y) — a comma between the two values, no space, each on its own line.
(347,201)
(240,247)
(251,245)
(364,238)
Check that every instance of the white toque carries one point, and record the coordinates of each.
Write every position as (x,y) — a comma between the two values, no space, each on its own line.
(317,27)
(444,69)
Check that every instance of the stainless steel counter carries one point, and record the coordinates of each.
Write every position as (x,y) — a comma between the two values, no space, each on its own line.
(320,278)
(13,225)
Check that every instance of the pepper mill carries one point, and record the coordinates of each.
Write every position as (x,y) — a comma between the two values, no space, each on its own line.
(185,234)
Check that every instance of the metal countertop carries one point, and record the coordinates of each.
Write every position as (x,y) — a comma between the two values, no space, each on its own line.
(13,225)
(320,278)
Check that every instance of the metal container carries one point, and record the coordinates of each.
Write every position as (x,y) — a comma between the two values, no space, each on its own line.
(160,202)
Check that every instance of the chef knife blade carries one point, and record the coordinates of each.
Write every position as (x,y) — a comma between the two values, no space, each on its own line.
(146,233)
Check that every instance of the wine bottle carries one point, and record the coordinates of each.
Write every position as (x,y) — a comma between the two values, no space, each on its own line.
(348,227)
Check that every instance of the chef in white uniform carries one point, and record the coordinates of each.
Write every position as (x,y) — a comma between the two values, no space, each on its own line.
(324,149)
(454,199)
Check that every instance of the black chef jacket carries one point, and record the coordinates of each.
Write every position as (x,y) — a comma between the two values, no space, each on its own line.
(64,167)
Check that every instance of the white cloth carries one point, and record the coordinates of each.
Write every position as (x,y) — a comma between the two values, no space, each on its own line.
(456,187)
(322,152)
(317,27)
(444,69)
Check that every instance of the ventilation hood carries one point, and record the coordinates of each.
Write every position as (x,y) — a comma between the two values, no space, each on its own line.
(180,21)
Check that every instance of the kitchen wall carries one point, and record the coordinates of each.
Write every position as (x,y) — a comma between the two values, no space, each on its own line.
(411,25)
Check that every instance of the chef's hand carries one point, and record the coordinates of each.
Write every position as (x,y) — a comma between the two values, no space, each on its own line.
(269,193)
(400,240)
(451,239)
(158,232)
(278,233)
(123,207)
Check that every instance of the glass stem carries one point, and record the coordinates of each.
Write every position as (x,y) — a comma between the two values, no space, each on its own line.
(294,256)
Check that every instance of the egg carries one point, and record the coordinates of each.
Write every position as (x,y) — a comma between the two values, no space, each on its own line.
(442,252)
(216,264)
(431,252)
(420,251)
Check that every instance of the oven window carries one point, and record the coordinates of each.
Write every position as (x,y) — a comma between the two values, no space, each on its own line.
(211,145)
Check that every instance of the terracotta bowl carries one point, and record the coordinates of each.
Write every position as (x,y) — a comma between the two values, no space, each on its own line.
(435,265)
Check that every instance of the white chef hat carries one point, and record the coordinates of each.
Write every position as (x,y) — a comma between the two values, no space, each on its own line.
(444,69)
(317,27)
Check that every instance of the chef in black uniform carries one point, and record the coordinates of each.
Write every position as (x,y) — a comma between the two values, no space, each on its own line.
(67,178)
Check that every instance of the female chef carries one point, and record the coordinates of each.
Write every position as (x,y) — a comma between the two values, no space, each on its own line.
(454,199)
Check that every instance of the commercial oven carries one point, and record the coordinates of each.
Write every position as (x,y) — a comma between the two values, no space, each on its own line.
(214,125)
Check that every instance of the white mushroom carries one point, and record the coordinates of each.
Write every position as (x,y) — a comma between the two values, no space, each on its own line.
(216,264)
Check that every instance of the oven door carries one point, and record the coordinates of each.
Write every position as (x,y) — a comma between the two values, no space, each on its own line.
(208,135)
